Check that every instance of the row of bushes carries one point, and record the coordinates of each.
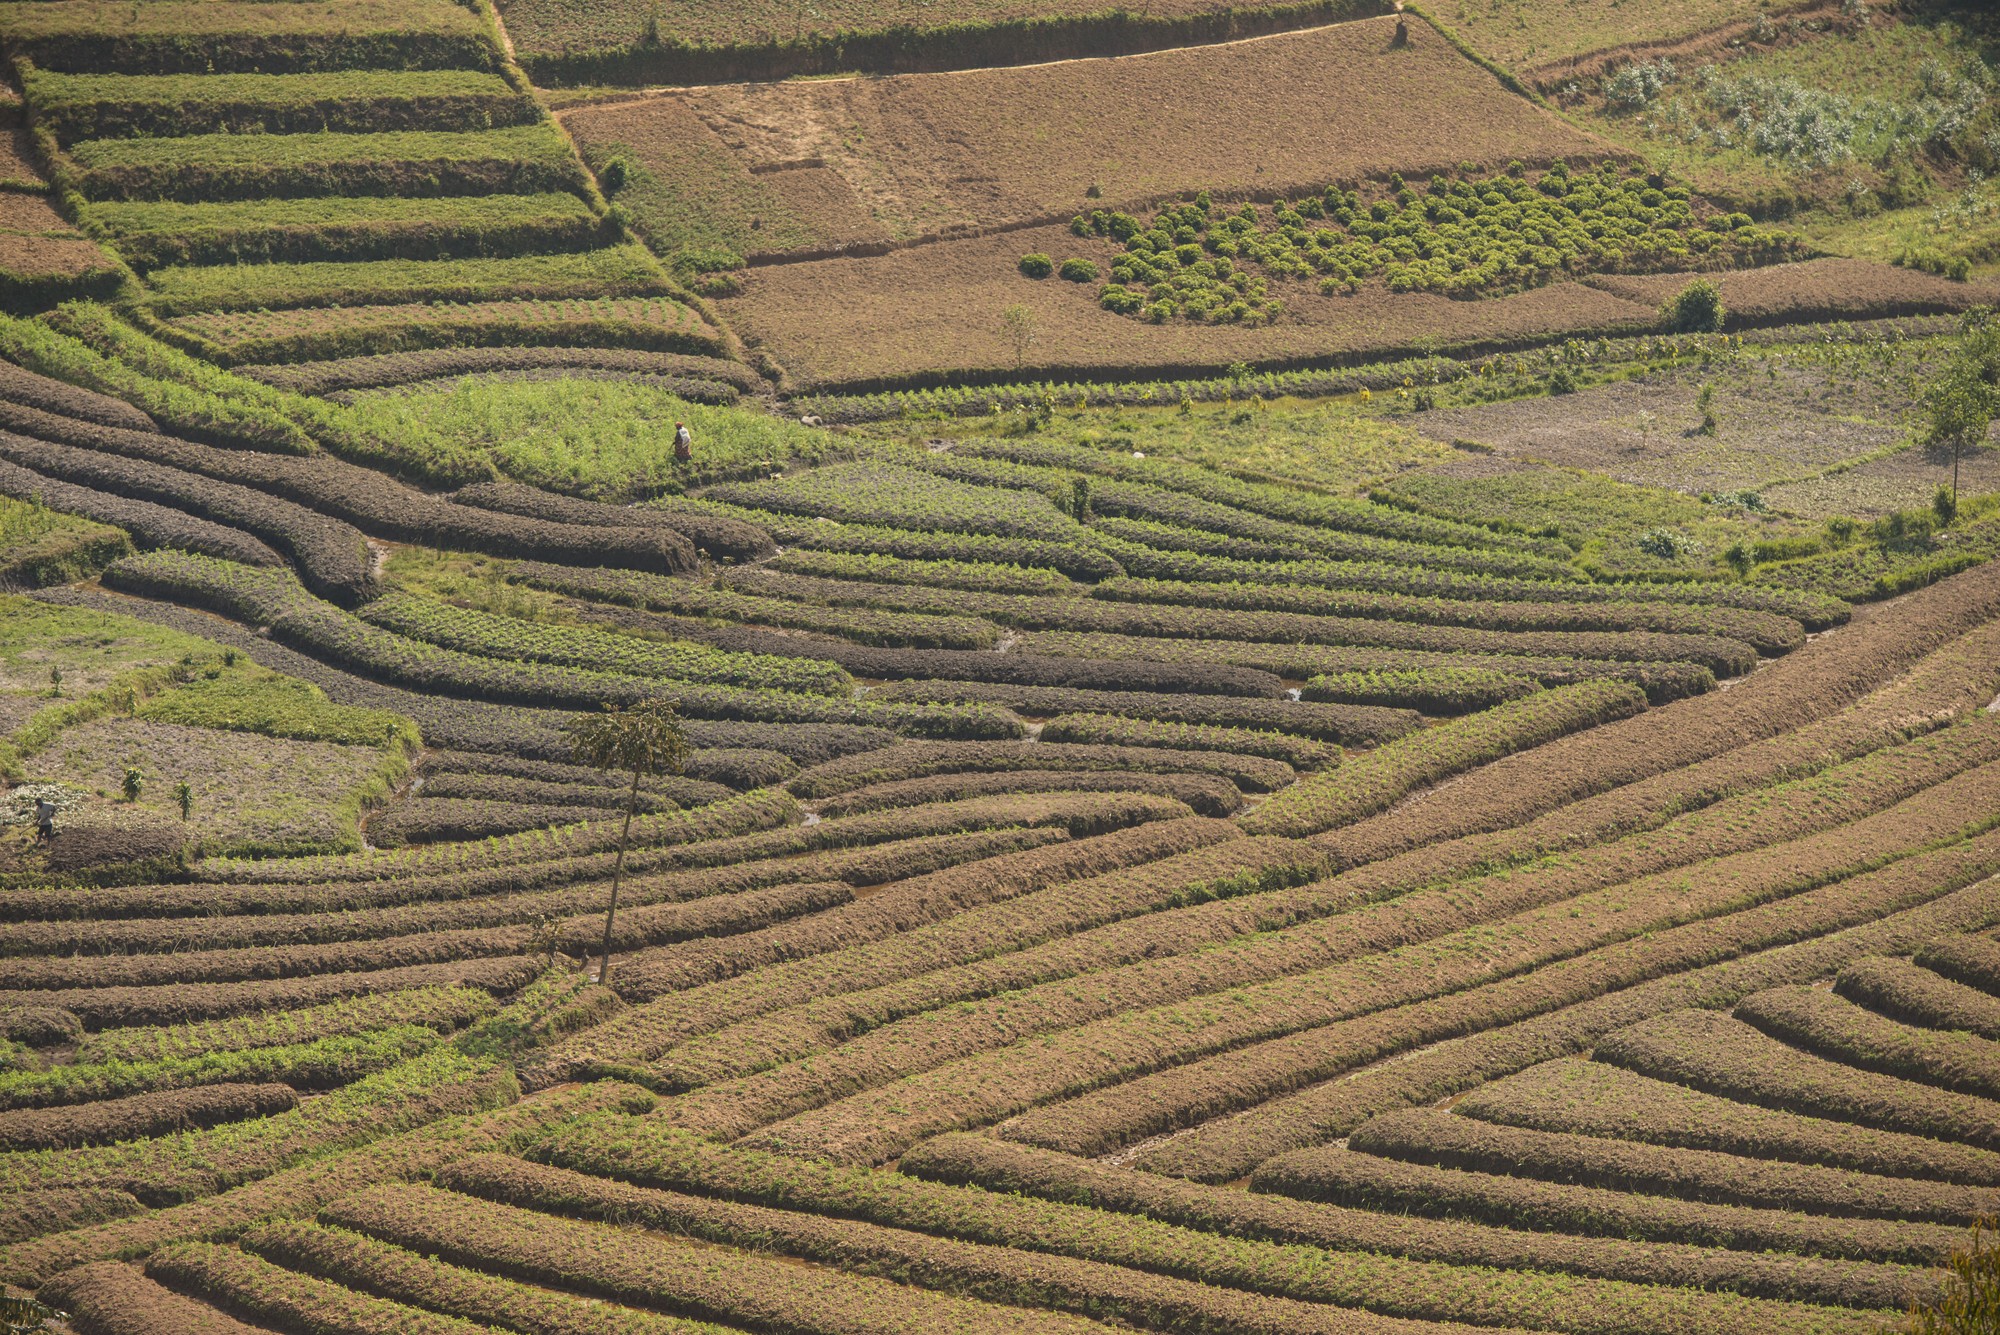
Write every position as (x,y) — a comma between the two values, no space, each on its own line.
(49,395)
(1431,690)
(1590,1098)
(763,768)
(665,793)
(319,1063)
(1447,1140)
(1206,795)
(1374,781)
(111,1120)
(1907,991)
(834,1032)
(1000,1166)
(1726,1056)
(1717,963)
(1347,725)
(1660,681)
(1313,1001)
(1767,632)
(1255,773)
(1971,960)
(1841,1031)
(1110,730)
(977,576)
(719,537)
(1071,558)
(403,368)
(440,1008)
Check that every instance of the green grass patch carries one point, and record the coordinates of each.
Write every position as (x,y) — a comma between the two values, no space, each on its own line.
(201,36)
(40,546)
(246,698)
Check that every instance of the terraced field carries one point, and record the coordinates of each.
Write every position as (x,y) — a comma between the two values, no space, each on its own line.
(1279,830)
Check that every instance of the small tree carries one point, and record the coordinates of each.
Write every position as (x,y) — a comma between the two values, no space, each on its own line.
(135,783)
(1962,402)
(184,799)
(1970,1303)
(1706,402)
(646,740)
(55,681)
(1695,309)
(1018,323)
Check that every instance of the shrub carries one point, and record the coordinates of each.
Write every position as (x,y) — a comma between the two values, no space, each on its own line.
(1079,271)
(1037,265)
(1695,309)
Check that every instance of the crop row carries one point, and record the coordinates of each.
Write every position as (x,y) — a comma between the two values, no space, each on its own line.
(972,1233)
(1662,682)
(1844,797)
(467,767)
(719,536)
(402,368)
(110,1120)
(1166,620)
(1346,725)
(647,1031)
(246,1283)
(685,598)
(115,1007)
(664,793)
(1234,870)
(516,160)
(654,1268)
(1363,1181)
(31,1214)
(921,761)
(375,502)
(1311,1001)
(331,555)
(1837,1029)
(1431,690)
(1110,730)
(976,576)
(1373,781)
(1447,1140)
(1000,1166)
(149,525)
(492,635)
(1206,795)
(456,819)
(319,1063)
(329,633)
(26,388)
(879,493)
(1971,960)
(1293,504)
(112,1298)
(1016,669)
(187,36)
(1725,1056)
(91,106)
(909,904)
(1909,992)
(1767,632)
(1862,917)
(1814,684)
(714,916)
(441,1083)
(1075,558)
(1590,1098)
(439,1008)
(39,1026)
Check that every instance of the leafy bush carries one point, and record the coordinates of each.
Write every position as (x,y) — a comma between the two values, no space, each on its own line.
(1037,265)
(1695,309)
(1079,271)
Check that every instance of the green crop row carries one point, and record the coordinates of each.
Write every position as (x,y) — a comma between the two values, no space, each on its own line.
(1110,730)
(492,635)
(865,625)
(1432,690)
(111,1120)
(516,160)
(1909,992)
(1768,632)
(1591,1098)
(91,106)
(887,495)
(910,762)
(319,1063)
(443,1009)
(152,234)
(1077,559)
(617,270)
(975,576)
(1372,781)
(1206,795)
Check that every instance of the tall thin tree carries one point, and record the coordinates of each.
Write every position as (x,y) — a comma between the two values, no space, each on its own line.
(644,740)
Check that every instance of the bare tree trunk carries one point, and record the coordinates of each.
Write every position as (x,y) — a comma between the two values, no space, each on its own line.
(617,873)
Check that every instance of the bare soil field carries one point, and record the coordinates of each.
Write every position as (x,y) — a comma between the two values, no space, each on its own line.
(1814,290)
(933,152)
(895,319)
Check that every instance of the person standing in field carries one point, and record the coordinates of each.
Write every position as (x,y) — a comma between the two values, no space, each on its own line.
(683,443)
(45,821)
